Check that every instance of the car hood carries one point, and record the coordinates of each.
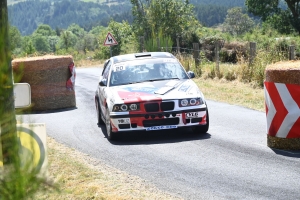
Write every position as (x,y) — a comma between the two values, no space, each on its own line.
(156,90)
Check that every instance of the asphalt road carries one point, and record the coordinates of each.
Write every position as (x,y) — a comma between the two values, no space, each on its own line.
(232,161)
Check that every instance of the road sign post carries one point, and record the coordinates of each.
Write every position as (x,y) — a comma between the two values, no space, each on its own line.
(110,41)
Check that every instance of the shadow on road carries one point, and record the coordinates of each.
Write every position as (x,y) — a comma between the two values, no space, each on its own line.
(29,112)
(155,137)
(287,153)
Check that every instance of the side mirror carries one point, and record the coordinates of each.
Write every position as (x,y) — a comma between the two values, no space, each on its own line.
(103,82)
(191,74)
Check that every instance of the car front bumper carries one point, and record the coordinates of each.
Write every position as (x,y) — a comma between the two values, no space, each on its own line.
(124,121)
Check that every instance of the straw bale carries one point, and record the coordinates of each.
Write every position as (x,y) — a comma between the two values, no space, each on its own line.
(287,72)
(283,143)
(284,72)
(47,76)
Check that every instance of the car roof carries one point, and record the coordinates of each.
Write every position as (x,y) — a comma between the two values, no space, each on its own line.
(135,56)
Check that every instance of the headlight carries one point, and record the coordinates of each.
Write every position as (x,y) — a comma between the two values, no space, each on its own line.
(133,106)
(126,107)
(184,102)
(190,102)
(193,102)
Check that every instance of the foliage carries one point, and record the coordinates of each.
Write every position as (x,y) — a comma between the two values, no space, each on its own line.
(237,23)
(14,37)
(16,181)
(41,44)
(165,43)
(122,33)
(44,30)
(155,15)
(27,15)
(276,14)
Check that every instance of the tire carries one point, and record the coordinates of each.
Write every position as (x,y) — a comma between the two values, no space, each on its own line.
(98,110)
(202,129)
(110,135)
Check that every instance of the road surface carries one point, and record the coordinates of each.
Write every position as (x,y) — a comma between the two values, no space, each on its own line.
(231,161)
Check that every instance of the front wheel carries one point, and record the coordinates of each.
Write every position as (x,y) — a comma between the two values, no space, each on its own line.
(110,134)
(98,110)
(202,129)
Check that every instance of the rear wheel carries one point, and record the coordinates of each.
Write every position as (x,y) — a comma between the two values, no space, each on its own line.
(98,110)
(204,128)
(110,135)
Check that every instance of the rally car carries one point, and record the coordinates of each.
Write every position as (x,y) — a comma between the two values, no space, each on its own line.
(149,91)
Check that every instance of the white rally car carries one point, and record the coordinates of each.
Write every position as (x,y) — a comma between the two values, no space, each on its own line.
(149,91)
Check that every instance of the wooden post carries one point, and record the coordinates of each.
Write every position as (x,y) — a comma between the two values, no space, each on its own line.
(252,52)
(217,49)
(158,44)
(142,44)
(178,47)
(292,52)
(196,54)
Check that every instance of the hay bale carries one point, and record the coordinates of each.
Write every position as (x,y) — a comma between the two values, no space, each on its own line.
(284,72)
(283,143)
(47,76)
(288,73)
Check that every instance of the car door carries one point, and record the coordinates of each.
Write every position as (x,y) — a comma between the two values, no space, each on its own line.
(103,88)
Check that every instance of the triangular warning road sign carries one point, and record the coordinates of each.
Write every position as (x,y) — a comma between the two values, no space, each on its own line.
(110,40)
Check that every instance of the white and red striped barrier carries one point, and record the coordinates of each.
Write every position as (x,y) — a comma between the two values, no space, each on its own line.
(282,109)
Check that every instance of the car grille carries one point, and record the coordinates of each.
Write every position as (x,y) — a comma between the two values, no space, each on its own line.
(151,107)
(163,106)
(160,122)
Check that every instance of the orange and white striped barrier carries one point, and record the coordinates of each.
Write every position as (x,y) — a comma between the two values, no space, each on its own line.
(282,109)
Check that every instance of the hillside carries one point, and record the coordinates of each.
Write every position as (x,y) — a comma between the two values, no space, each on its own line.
(59,14)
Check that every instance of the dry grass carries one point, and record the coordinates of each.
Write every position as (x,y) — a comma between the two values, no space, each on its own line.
(88,63)
(79,176)
(232,92)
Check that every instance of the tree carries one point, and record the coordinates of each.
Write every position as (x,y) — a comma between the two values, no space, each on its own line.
(44,30)
(272,10)
(27,45)
(41,43)
(76,30)
(175,18)
(67,40)
(237,23)
(15,38)
(7,108)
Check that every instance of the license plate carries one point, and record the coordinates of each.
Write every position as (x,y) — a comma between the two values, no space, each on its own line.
(154,128)
(124,121)
(191,115)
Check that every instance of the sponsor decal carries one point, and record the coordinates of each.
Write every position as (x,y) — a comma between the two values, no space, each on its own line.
(184,88)
(144,89)
(118,68)
(153,128)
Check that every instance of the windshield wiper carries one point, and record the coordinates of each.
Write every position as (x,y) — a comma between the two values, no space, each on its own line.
(161,79)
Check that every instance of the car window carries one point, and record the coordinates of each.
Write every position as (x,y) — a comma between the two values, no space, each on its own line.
(146,70)
(105,66)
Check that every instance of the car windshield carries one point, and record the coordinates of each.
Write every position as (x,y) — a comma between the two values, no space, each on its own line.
(146,70)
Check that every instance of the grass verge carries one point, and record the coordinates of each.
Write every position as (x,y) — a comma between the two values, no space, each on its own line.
(232,92)
(79,176)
